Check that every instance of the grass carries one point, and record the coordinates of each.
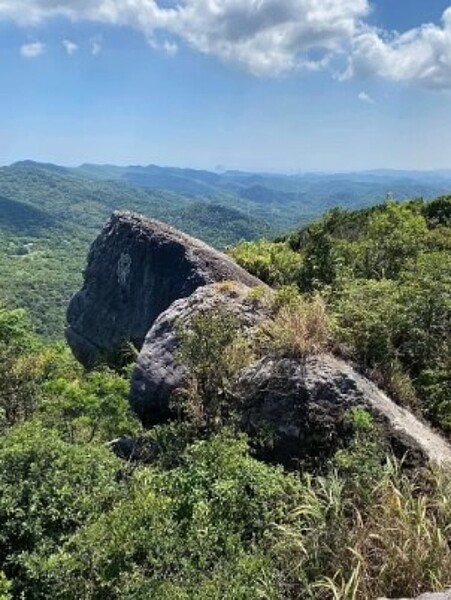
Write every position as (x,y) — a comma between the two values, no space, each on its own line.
(336,546)
(299,329)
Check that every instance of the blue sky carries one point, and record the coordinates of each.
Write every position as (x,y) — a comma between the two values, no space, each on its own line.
(276,85)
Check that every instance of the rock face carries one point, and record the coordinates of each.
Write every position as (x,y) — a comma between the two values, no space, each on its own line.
(136,268)
(301,407)
(158,373)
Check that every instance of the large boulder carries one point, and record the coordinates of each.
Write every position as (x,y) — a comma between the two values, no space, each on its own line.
(300,408)
(158,372)
(136,268)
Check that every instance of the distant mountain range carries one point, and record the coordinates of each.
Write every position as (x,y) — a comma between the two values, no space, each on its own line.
(283,201)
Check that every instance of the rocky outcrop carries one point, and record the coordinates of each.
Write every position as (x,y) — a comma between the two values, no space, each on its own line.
(158,372)
(297,408)
(137,268)
(146,281)
(300,407)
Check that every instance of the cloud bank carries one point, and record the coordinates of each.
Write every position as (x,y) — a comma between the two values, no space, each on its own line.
(270,37)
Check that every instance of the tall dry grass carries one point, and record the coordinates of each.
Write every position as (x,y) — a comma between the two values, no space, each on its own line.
(398,545)
(299,329)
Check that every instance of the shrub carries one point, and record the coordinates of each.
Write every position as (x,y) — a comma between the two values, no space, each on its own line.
(274,263)
(93,406)
(47,490)
(193,532)
(214,353)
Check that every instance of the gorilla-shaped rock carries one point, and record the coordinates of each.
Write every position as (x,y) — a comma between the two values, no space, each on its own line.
(158,372)
(136,268)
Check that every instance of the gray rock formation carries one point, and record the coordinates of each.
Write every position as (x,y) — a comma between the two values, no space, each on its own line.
(136,268)
(158,373)
(144,281)
(437,596)
(301,407)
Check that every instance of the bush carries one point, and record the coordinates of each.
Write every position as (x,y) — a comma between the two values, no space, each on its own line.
(93,406)
(274,263)
(194,532)
(48,488)
(213,352)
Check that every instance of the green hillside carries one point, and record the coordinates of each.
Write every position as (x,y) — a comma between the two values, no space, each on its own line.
(385,273)
(49,216)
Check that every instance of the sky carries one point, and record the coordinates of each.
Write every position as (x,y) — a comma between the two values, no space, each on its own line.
(267,85)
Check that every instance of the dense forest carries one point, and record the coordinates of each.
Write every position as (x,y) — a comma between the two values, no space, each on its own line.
(203,517)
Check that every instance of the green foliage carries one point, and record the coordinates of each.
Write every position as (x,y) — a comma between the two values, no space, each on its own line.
(385,274)
(361,464)
(5,587)
(23,366)
(214,353)
(94,406)
(48,488)
(390,238)
(274,263)
(196,531)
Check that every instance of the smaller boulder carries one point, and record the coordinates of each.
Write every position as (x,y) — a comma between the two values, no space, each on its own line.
(300,407)
(158,372)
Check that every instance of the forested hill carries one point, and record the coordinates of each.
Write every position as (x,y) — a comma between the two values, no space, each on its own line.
(288,200)
(49,216)
(285,201)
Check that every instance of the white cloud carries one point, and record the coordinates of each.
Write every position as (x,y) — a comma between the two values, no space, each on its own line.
(421,55)
(364,97)
(32,50)
(70,47)
(269,37)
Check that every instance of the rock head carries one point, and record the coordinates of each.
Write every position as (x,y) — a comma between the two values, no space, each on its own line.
(136,269)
